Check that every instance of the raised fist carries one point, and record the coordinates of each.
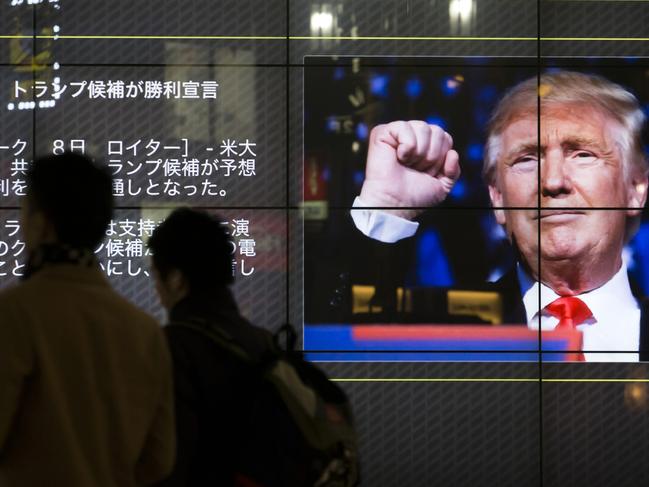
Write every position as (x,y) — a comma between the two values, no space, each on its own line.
(410,165)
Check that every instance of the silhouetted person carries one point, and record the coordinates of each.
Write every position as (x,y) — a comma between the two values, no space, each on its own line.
(85,377)
(192,267)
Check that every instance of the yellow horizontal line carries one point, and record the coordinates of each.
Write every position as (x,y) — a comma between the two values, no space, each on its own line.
(299,38)
(332,38)
(431,379)
(118,37)
(405,38)
(628,381)
(437,379)
(569,39)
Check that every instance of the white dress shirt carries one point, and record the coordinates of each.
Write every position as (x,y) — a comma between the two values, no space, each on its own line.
(381,226)
(614,327)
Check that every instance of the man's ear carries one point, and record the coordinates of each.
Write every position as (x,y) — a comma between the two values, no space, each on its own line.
(497,202)
(637,194)
(176,282)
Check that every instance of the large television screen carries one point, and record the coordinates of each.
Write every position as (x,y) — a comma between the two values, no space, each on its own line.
(266,113)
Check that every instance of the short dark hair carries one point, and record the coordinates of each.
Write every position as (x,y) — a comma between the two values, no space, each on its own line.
(196,244)
(74,194)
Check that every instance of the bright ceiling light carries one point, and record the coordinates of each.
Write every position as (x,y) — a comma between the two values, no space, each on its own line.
(321,21)
(460,8)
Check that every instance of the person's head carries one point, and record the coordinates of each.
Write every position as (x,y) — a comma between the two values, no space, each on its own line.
(592,181)
(69,202)
(192,253)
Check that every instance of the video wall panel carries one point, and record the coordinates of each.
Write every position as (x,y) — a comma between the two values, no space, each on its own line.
(263,113)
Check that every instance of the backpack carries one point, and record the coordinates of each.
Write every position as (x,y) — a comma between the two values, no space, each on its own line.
(300,431)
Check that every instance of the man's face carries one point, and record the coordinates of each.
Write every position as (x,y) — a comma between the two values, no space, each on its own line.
(581,169)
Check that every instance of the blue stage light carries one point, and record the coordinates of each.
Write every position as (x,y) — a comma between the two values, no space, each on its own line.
(414,88)
(362,131)
(339,73)
(459,190)
(332,124)
(639,269)
(451,85)
(433,268)
(436,120)
(487,94)
(379,85)
(475,152)
(359,177)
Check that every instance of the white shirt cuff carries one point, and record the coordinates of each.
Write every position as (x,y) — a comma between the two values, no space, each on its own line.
(380,225)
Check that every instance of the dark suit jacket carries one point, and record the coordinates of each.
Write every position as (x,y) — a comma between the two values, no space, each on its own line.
(514,310)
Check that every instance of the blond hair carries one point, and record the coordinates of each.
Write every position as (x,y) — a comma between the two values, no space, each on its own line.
(568,87)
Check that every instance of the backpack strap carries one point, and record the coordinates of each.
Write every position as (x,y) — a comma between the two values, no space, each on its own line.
(285,338)
(220,337)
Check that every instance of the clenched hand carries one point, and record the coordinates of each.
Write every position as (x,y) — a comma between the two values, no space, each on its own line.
(410,166)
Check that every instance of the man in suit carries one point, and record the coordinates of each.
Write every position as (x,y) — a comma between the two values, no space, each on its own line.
(86,396)
(585,198)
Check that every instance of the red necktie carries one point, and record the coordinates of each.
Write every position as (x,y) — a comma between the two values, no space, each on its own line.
(571,312)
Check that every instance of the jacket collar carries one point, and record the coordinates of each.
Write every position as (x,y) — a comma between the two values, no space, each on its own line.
(82,274)
(514,310)
(510,289)
(204,306)
(53,254)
